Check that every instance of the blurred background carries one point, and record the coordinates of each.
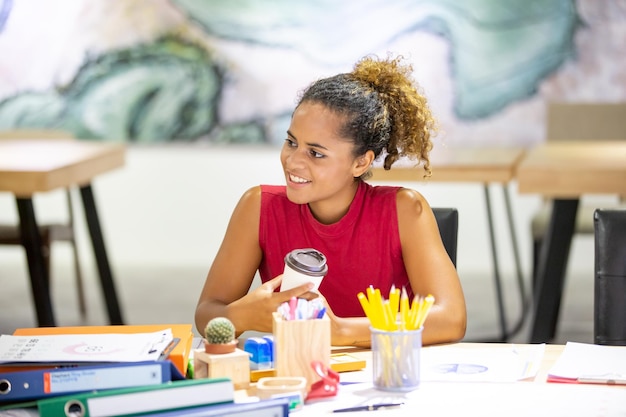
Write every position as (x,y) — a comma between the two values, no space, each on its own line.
(202,92)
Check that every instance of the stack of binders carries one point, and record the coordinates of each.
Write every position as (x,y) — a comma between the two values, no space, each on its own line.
(38,384)
(149,387)
(190,397)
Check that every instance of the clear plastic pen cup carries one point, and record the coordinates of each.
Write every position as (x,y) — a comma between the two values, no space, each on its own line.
(396,359)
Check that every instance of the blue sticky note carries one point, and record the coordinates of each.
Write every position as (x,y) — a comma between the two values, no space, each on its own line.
(270,340)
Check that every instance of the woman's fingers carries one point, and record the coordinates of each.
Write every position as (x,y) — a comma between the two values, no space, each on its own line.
(273,283)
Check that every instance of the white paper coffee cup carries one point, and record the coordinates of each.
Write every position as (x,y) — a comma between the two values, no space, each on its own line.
(303,266)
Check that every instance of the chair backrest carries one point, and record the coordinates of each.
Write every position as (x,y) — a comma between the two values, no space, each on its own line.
(586,121)
(609,315)
(448,222)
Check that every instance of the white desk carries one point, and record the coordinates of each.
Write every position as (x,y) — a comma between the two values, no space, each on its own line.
(523,398)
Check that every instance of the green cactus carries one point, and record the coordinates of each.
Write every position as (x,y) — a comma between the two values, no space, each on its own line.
(219,330)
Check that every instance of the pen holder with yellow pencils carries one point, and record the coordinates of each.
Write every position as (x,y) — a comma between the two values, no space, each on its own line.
(396,359)
(396,337)
(297,343)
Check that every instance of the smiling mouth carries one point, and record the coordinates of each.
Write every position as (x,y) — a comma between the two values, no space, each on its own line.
(297,180)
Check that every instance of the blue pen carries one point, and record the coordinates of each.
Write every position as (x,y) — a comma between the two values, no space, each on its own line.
(321,313)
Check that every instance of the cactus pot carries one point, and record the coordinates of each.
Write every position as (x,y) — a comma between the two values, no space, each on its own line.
(219,348)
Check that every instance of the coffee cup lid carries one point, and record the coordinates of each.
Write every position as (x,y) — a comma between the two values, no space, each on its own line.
(308,261)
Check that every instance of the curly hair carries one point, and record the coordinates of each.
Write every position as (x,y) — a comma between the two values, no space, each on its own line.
(382,108)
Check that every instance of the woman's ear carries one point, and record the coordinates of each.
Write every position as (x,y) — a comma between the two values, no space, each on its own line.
(363,163)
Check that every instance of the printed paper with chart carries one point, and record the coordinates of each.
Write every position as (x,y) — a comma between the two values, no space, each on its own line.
(76,348)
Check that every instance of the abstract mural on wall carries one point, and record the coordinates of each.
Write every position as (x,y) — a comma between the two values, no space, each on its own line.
(229,72)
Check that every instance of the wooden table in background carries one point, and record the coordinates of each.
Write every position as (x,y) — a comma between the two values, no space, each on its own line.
(31,166)
(563,172)
(484,165)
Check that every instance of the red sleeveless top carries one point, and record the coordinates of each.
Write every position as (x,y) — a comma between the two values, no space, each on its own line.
(362,249)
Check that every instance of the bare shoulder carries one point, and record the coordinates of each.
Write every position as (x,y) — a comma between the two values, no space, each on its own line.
(251,196)
(250,200)
(410,202)
(249,206)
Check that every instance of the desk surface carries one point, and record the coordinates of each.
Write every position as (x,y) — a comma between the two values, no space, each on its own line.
(521,398)
(571,169)
(551,354)
(28,166)
(455,164)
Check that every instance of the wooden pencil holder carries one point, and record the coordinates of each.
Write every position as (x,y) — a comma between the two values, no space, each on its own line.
(234,365)
(299,342)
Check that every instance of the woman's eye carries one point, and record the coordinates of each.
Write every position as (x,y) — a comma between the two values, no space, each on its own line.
(290,143)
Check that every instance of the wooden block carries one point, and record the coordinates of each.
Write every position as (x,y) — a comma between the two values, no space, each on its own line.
(235,365)
(339,362)
(257,374)
(344,362)
(299,342)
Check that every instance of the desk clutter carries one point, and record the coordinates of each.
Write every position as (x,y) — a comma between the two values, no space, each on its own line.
(299,347)
(105,371)
(158,370)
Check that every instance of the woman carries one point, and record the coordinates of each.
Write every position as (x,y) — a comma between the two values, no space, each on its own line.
(379,236)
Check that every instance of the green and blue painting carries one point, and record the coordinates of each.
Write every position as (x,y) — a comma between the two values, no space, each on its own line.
(229,71)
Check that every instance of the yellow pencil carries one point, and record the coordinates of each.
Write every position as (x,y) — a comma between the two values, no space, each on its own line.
(425,309)
(390,316)
(373,313)
(377,303)
(365,305)
(394,300)
(415,305)
(377,308)
(405,310)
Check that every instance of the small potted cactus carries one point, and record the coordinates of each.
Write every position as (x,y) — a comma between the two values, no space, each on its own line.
(219,336)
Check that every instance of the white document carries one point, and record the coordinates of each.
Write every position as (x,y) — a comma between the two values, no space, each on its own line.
(583,362)
(501,364)
(462,364)
(75,348)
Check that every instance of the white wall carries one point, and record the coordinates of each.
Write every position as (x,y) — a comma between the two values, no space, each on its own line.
(170,206)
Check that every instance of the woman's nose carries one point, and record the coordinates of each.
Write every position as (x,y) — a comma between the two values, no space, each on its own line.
(296,158)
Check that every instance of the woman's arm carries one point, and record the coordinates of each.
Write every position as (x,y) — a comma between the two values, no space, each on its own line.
(430,269)
(225,292)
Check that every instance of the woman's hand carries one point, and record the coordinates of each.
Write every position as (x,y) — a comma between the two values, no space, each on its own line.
(256,308)
(335,322)
(347,331)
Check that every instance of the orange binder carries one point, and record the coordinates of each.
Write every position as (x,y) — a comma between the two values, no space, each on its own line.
(179,356)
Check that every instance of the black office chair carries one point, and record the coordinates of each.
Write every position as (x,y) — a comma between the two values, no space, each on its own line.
(609,311)
(448,222)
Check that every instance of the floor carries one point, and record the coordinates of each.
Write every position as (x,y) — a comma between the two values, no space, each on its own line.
(160,295)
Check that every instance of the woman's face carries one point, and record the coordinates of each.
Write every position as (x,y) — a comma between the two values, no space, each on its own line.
(318,163)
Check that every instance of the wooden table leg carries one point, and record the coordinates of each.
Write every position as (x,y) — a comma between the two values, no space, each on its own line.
(551,270)
(31,240)
(104,269)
